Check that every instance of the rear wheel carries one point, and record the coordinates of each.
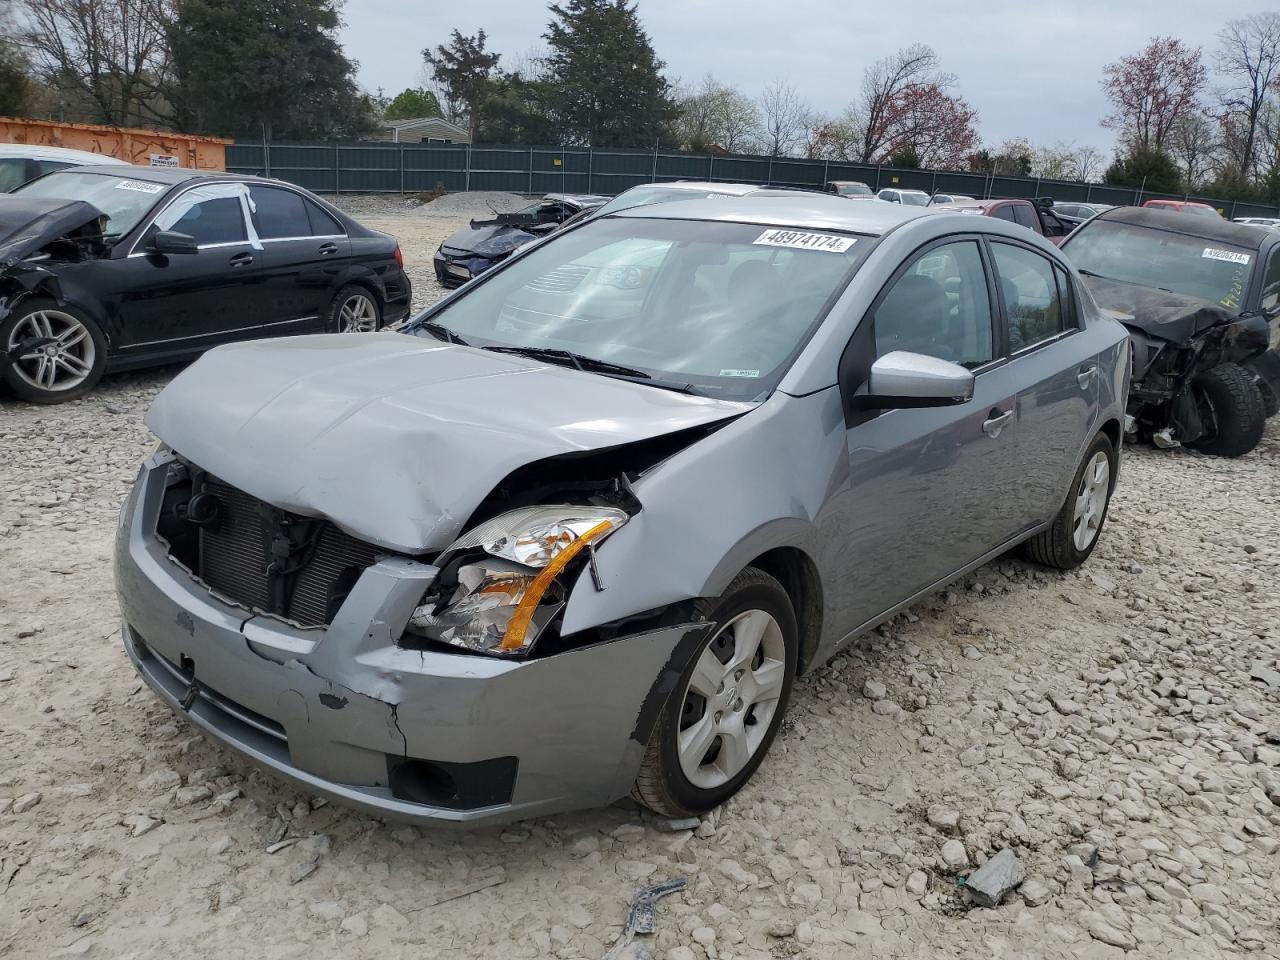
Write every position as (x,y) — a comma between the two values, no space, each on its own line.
(717,725)
(354,310)
(1074,533)
(55,353)
(1232,409)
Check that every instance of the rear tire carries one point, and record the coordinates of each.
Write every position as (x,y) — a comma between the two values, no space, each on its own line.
(68,361)
(355,309)
(1076,529)
(721,718)
(1238,412)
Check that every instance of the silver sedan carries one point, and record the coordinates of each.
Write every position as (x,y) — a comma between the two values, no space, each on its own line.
(575,534)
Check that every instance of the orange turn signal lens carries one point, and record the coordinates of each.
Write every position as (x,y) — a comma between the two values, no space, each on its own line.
(522,619)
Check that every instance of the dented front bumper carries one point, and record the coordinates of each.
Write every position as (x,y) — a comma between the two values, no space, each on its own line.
(347,713)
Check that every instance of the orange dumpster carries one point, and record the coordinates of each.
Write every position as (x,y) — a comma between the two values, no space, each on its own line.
(128,144)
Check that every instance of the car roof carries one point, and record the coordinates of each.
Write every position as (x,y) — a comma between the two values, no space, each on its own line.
(39,151)
(582,199)
(732,189)
(821,211)
(1224,231)
(983,205)
(166,175)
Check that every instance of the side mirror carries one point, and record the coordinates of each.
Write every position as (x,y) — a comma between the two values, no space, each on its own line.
(1044,203)
(170,241)
(902,379)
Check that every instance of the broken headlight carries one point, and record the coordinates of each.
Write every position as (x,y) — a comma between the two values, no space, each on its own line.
(508,580)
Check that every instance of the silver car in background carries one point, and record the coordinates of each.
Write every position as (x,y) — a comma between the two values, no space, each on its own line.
(576,533)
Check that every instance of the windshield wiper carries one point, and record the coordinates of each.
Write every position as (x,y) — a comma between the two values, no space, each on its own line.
(1132,283)
(582,362)
(441,332)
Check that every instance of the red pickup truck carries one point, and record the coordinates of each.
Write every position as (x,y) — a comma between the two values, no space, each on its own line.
(1033,216)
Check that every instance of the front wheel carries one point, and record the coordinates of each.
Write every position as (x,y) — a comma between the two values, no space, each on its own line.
(55,352)
(354,310)
(1074,533)
(717,725)
(1232,409)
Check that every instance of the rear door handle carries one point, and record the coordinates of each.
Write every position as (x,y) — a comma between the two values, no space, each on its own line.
(241,260)
(995,422)
(328,248)
(1085,376)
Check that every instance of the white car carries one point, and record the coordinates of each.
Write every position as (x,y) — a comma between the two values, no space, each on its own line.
(912,198)
(21,162)
(1272,222)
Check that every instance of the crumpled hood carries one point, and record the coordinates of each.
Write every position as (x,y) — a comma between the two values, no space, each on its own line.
(487,239)
(1158,313)
(394,438)
(27,224)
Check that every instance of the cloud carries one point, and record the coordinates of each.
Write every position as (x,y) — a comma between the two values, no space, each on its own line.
(1031,70)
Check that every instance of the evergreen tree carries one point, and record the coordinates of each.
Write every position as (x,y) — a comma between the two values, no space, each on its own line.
(1150,169)
(606,81)
(15,82)
(462,69)
(265,68)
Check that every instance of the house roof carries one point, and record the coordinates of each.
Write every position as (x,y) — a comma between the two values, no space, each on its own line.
(426,122)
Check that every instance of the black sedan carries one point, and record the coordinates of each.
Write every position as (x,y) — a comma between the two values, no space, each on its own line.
(115,268)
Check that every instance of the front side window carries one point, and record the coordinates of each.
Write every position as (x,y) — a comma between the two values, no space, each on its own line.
(13,173)
(217,220)
(722,307)
(1024,216)
(1163,260)
(1032,298)
(1005,213)
(940,307)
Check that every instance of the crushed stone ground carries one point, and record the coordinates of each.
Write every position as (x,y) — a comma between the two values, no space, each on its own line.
(1102,724)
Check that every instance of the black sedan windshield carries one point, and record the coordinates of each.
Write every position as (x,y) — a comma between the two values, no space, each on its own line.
(125,201)
(720,307)
(1191,266)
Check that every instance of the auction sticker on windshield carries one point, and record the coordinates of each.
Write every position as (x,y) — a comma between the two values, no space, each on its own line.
(1227,256)
(805,240)
(139,186)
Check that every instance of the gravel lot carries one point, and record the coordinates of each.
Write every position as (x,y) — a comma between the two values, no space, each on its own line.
(1102,724)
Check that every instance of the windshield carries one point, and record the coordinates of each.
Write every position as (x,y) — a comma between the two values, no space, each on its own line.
(643,196)
(915,198)
(718,308)
(853,190)
(1192,266)
(124,201)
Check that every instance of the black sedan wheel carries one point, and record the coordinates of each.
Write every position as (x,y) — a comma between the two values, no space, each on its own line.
(354,310)
(55,353)
(719,722)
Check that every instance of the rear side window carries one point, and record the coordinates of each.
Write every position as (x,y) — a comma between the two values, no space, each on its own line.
(279,213)
(1033,300)
(939,307)
(322,223)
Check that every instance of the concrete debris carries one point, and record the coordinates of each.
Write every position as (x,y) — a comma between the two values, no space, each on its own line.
(988,885)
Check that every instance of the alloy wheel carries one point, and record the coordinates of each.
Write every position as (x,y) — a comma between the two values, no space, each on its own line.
(730,699)
(357,315)
(52,350)
(1091,501)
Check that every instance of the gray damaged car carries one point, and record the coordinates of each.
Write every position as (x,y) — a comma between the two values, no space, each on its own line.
(575,534)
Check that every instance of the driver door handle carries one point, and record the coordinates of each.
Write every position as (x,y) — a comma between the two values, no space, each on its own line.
(328,248)
(1085,376)
(995,422)
(241,260)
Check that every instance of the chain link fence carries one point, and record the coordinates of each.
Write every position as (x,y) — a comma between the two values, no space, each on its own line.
(418,168)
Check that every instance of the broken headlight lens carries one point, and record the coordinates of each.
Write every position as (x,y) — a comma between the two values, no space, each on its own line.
(503,601)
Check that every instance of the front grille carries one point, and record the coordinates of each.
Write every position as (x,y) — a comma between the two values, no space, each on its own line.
(560,280)
(271,561)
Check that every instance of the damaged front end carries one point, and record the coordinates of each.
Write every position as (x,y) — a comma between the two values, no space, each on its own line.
(1164,405)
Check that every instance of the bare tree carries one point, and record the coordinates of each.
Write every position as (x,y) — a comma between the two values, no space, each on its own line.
(784,119)
(1249,57)
(113,54)
(1192,144)
(884,86)
(712,114)
(1090,162)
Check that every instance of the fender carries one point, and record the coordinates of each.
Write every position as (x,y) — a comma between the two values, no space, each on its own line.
(21,281)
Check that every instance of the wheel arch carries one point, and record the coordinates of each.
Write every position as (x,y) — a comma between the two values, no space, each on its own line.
(798,574)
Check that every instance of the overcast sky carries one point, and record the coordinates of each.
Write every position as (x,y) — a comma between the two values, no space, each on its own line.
(1029,68)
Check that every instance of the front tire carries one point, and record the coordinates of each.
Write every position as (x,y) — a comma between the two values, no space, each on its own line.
(55,352)
(354,310)
(1074,533)
(1236,410)
(718,724)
